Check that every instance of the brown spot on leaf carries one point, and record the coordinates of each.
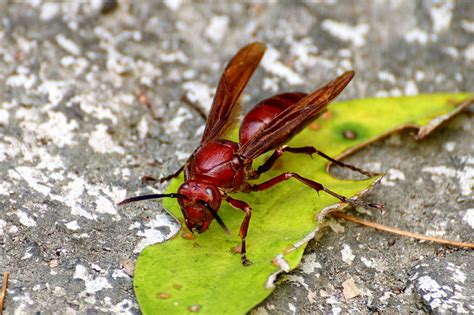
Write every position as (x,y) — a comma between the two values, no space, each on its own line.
(177,286)
(349,134)
(326,115)
(194,308)
(314,126)
(164,295)
(236,249)
(188,235)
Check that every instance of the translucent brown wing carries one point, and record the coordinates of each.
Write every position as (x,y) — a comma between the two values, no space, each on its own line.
(226,107)
(289,122)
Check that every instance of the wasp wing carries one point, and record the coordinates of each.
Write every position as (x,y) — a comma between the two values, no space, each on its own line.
(225,107)
(289,122)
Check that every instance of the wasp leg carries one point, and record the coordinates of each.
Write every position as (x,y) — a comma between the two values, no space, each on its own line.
(171,176)
(244,227)
(307,150)
(315,185)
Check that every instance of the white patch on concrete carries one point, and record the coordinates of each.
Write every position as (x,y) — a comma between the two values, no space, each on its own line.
(54,89)
(24,218)
(102,142)
(3,155)
(469,53)
(469,217)
(27,254)
(270,84)
(119,273)
(416,36)
(104,205)
(310,264)
(73,225)
(182,155)
(438,232)
(347,33)
(464,176)
(175,124)
(217,28)
(152,235)
(468,25)
(449,146)
(272,65)
(124,307)
(13,229)
(79,65)
(304,53)
(387,77)
(292,308)
(457,274)
(3,224)
(75,188)
(142,128)
(345,65)
(59,291)
(441,14)
(411,88)
(199,93)
(92,284)
(4,117)
(451,51)
(347,255)
(419,75)
(434,292)
(33,177)
(335,305)
(5,188)
(392,177)
(98,110)
(368,263)
(49,10)
(135,225)
(173,4)
(58,129)
(21,79)
(68,45)
(175,56)
(118,63)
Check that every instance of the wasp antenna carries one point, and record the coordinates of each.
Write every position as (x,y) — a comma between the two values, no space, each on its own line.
(152,196)
(216,216)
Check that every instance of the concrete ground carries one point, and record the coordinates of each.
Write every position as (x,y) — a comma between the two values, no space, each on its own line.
(94,96)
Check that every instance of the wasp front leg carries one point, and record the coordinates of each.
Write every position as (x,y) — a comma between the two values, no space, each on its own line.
(244,227)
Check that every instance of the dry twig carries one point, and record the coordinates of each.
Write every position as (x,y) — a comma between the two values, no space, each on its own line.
(3,293)
(380,227)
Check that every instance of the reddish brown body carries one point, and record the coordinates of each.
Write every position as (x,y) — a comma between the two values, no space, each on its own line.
(219,167)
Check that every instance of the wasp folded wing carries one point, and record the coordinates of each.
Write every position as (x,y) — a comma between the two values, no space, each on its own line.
(289,122)
(225,107)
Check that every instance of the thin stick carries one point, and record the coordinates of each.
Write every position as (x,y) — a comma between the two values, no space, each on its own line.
(380,227)
(3,293)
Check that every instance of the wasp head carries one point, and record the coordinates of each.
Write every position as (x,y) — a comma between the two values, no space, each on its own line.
(200,205)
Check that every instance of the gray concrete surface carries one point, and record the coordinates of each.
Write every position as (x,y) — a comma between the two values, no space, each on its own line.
(94,96)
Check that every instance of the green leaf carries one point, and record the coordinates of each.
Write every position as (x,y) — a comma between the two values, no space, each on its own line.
(204,274)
